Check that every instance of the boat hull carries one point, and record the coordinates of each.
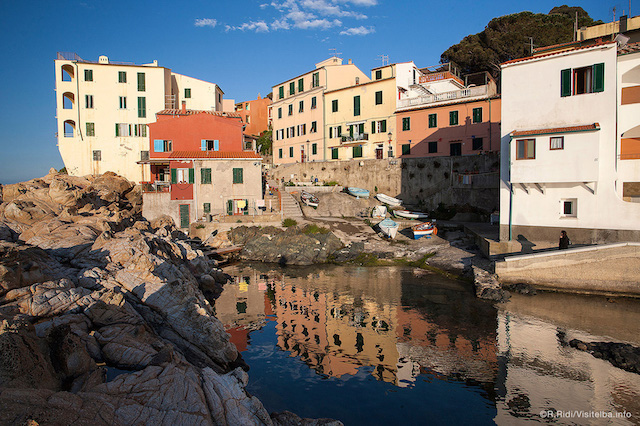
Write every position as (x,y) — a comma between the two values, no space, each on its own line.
(388,200)
(424,230)
(389,228)
(379,212)
(358,192)
(410,215)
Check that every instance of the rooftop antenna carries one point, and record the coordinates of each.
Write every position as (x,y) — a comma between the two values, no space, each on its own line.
(531,44)
(335,52)
(384,59)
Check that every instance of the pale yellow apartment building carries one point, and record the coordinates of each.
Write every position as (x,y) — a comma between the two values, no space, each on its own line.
(103,109)
(298,108)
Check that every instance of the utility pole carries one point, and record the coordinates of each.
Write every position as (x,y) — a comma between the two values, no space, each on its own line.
(385,59)
(531,44)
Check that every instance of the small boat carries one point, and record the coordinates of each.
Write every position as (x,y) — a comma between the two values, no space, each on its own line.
(422,229)
(388,200)
(406,214)
(379,212)
(358,192)
(309,199)
(389,228)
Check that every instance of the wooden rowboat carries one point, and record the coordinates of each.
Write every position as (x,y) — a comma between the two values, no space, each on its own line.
(389,200)
(358,192)
(309,199)
(410,215)
(379,212)
(389,228)
(424,229)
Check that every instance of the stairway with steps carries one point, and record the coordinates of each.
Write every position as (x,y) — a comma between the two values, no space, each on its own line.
(290,207)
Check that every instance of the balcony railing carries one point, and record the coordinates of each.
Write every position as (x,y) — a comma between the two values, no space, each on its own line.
(469,92)
(157,186)
(358,137)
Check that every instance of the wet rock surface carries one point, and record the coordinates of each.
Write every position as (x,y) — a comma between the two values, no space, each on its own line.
(621,355)
(103,317)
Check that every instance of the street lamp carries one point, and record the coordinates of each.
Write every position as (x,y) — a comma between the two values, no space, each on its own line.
(390,147)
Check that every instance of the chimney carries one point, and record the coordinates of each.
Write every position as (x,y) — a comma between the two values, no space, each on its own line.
(184,107)
(350,62)
(623,24)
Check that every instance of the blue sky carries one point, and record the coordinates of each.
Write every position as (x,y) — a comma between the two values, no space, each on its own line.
(244,46)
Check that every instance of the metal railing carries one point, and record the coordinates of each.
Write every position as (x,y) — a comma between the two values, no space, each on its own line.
(443,97)
(157,186)
(357,137)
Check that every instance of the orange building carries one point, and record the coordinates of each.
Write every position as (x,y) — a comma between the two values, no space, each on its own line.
(255,114)
(462,121)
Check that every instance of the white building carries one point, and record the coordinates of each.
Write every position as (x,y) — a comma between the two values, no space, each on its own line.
(103,108)
(570,161)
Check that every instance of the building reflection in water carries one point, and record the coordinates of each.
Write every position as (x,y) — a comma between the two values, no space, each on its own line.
(338,320)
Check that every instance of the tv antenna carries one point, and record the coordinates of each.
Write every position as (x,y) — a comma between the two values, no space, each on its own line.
(335,52)
(531,44)
(384,59)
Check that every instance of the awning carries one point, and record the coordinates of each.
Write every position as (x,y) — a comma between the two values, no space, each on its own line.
(556,130)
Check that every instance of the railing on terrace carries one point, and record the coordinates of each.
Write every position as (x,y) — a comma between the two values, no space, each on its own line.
(443,97)
(359,137)
(72,56)
(157,186)
(630,156)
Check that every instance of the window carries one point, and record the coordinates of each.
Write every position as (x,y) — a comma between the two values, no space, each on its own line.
(205,176)
(281,92)
(209,144)
(315,81)
(248,119)
(206,207)
(142,107)
(291,109)
(334,105)
(301,85)
(88,75)
(144,155)
(455,149)
(433,147)
(335,132)
(291,151)
(357,152)
(433,120)
(280,153)
(334,154)
(378,74)
(292,88)
(556,142)
(97,155)
(525,149)
(140,130)
(477,115)
(302,129)
(313,103)
(187,93)
(314,148)
(123,129)
(379,98)
(91,129)
(453,118)
(406,123)
(314,127)
(237,175)
(582,80)
(162,145)
(123,102)
(219,98)
(88,101)
(247,106)
(280,112)
(182,176)
(292,131)
(476,144)
(301,106)
(569,207)
(406,149)
(122,76)
(141,82)
(356,105)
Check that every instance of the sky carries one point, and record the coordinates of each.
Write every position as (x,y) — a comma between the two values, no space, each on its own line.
(244,46)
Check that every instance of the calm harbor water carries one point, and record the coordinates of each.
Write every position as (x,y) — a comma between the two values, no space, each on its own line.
(405,346)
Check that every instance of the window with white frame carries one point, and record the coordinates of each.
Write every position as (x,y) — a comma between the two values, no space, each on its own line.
(569,207)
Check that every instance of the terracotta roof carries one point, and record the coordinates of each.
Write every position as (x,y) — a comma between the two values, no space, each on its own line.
(195,111)
(513,61)
(554,46)
(552,130)
(629,48)
(214,154)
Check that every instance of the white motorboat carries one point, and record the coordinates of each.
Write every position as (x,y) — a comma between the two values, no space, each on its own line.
(389,200)
(389,228)
(406,214)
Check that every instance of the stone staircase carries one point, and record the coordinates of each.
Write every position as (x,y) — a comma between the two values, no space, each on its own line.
(290,207)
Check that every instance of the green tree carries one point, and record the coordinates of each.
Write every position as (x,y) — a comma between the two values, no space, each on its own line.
(508,37)
(265,142)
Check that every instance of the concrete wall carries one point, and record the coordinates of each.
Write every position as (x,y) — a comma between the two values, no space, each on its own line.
(425,181)
(156,204)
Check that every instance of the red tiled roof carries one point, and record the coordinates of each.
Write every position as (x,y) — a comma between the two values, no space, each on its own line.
(629,48)
(570,129)
(513,61)
(196,111)
(554,46)
(214,154)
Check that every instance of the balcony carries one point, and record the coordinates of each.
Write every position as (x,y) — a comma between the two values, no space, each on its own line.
(355,138)
(469,92)
(157,186)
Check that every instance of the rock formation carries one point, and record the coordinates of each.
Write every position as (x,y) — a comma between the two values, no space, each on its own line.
(102,317)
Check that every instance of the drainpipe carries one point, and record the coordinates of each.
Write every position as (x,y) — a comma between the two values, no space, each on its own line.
(195,190)
(324,136)
(510,193)
(77,102)
(489,122)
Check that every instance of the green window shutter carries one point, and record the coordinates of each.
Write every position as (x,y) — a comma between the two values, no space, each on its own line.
(314,149)
(565,82)
(192,177)
(383,126)
(339,131)
(477,115)
(301,85)
(330,132)
(280,153)
(142,107)
(356,105)
(334,105)
(433,120)
(205,175)
(290,152)
(361,128)
(378,98)
(373,127)
(187,93)
(598,80)
(406,149)
(281,92)
(292,88)
(206,207)
(237,175)
(141,82)
(406,123)
(334,153)
(453,118)
(174,176)
(117,130)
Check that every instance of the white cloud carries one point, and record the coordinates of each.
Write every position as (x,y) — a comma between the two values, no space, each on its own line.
(358,31)
(280,24)
(258,26)
(206,22)
(322,24)
(360,2)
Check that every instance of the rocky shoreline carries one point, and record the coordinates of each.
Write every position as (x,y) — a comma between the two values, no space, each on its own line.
(104,318)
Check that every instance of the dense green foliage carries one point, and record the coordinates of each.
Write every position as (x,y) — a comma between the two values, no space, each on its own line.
(265,142)
(507,37)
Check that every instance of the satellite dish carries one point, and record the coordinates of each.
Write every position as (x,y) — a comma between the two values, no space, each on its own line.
(621,39)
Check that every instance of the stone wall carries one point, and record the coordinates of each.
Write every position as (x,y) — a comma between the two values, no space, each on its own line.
(425,182)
